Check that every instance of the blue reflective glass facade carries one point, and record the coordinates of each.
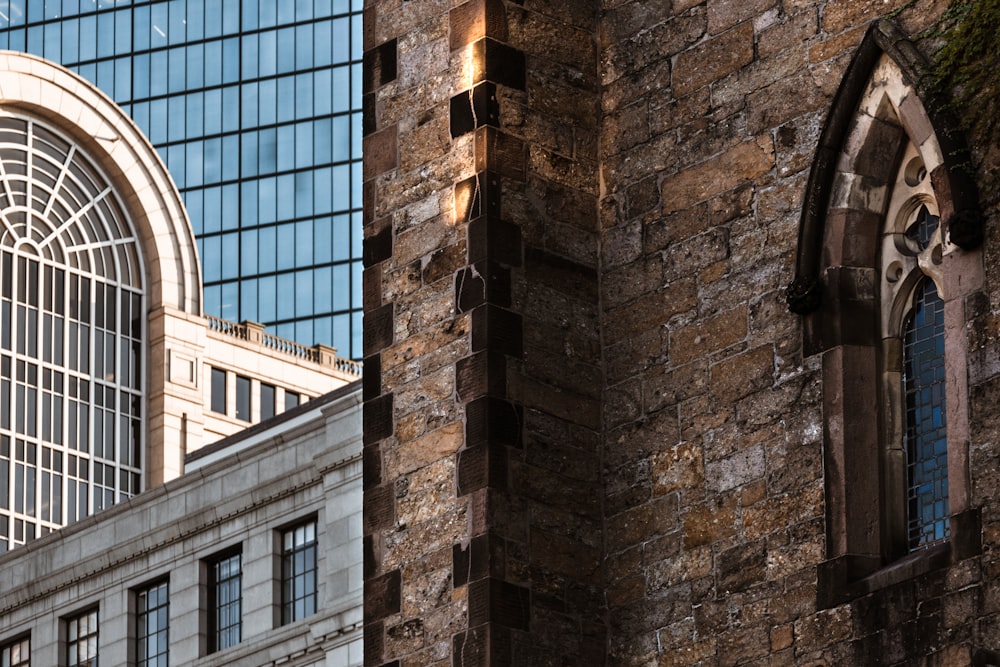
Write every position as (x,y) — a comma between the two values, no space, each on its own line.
(255,106)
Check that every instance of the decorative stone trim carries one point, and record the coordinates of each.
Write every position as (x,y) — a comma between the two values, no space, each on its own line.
(882,37)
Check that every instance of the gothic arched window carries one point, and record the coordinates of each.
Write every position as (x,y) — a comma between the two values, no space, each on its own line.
(913,286)
(887,258)
(71,336)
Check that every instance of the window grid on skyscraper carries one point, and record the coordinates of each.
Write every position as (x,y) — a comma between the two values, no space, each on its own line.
(256,110)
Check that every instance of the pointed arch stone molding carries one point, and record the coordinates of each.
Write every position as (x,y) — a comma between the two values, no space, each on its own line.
(37,87)
(955,187)
(887,155)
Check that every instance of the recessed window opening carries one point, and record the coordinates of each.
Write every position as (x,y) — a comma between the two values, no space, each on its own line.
(152,625)
(926,432)
(298,572)
(218,391)
(225,601)
(243,398)
(81,640)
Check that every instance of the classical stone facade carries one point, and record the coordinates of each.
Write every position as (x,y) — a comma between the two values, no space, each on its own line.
(114,384)
(240,496)
(638,298)
(110,369)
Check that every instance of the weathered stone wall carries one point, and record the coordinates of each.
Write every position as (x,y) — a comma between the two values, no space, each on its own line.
(713,413)
(483,508)
(592,433)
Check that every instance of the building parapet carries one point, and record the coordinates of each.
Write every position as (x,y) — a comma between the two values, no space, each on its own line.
(254,333)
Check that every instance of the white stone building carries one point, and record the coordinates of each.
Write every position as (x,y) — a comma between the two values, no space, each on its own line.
(113,383)
(245,504)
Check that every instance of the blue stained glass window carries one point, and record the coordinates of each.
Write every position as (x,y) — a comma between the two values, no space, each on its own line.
(926,435)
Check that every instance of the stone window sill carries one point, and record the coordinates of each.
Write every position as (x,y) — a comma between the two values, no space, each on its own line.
(852,576)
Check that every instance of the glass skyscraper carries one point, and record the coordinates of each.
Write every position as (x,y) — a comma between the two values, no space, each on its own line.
(255,106)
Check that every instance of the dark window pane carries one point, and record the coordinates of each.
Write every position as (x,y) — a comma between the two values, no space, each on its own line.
(218,390)
(242,398)
(298,572)
(225,601)
(152,625)
(267,398)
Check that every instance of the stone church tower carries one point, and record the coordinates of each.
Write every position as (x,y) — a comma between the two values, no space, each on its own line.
(681,339)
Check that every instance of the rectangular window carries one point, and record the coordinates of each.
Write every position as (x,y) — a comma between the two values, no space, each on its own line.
(242,398)
(81,640)
(291,399)
(298,572)
(225,599)
(152,625)
(218,390)
(16,653)
(267,396)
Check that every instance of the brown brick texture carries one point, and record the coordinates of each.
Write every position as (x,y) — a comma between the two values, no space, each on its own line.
(593,434)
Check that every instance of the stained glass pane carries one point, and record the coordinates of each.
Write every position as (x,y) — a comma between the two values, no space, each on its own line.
(926,437)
